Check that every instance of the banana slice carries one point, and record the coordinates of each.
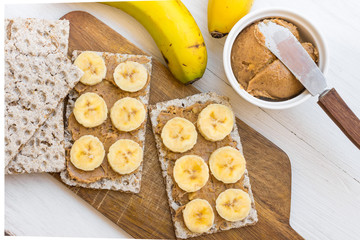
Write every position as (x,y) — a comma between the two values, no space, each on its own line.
(130,76)
(215,122)
(127,114)
(227,164)
(233,204)
(90,110)
(198,215)
(179,135)
(191,173)
(87,153)
(93,66)
(125,156)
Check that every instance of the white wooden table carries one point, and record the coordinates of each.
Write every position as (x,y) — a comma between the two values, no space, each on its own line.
(325,164)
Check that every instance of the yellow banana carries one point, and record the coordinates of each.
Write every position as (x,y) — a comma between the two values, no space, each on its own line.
(175,33)
(223,14)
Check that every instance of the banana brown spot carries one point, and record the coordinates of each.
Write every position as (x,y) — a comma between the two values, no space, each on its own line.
(217,34)
(197,45)
(166,60)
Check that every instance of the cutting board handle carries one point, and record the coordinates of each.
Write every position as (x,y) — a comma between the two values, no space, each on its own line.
(341,114)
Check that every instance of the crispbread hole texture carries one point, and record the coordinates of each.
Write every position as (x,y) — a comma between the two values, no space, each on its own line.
(36,36)
(45,151)
(34,86)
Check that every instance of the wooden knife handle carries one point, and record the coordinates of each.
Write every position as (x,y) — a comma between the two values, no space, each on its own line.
(341,114)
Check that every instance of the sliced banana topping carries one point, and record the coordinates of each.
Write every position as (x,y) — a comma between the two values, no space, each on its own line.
(125,156)
(90,110)
(198,215)
(191,173)
(93,66)
(227,164)
(130,76)
(179,135)
(215,122)
(87,153)
(128,114)
(233,204)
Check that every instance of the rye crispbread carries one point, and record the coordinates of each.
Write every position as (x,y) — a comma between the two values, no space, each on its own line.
(181,230)
(45,150)
(127,183)
(34,87)
(35,37)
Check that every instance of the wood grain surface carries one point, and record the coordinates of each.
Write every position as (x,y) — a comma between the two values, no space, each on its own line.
(341,114)
(147,214)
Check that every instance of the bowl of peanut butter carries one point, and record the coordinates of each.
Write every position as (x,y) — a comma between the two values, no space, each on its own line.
(255,73)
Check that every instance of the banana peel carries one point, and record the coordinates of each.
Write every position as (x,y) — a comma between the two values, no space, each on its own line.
(223,14)
(175,32)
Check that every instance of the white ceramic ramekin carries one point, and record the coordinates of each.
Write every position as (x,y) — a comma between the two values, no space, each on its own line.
(308,33)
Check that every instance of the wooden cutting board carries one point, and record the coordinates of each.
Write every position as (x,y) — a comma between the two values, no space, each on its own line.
(147,214)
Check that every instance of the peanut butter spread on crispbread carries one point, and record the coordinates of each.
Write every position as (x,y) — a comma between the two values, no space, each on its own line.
(202,148)
(106,132)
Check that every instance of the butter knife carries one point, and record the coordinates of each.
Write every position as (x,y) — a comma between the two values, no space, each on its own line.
(283,44)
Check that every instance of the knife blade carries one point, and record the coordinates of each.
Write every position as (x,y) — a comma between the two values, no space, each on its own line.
(283,44)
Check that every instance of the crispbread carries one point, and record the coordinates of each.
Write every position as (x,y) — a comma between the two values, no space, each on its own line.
(45,151)
(36,36)
(34,86)
(180,229)
(127,183)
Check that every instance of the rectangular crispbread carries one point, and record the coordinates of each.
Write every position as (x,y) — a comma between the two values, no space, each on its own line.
(34,87)
(181,230)
(126,183)
(35,37)
(45,151)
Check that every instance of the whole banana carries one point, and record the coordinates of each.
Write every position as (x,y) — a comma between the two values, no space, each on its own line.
(223,14)
(175,33)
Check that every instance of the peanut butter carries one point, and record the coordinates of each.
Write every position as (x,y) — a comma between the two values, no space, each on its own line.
(106,132)
(202,148)
(258,71)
